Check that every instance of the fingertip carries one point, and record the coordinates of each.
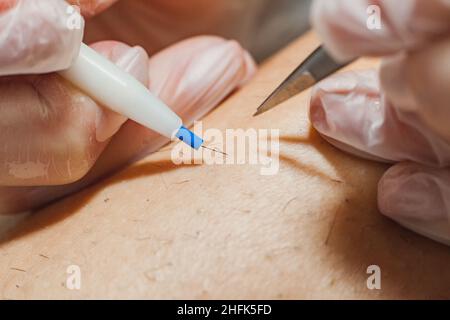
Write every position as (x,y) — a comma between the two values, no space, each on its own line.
(317,113)
(339,104)
(414,192)
(194,75)
(54,48)
(250,67)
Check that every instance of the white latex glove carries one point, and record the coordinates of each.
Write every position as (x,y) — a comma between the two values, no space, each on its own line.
(399,115)
(55,140)
(36,36)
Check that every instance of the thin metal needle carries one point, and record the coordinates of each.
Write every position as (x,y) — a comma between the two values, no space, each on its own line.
(215,150)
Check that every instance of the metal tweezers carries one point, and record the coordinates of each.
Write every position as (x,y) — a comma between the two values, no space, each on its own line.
(316,67)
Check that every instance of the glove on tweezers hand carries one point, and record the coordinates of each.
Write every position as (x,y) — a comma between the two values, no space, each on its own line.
(400,114)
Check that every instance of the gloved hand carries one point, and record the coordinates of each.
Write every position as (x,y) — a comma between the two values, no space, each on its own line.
(35,37)
(399,114)
(54,139)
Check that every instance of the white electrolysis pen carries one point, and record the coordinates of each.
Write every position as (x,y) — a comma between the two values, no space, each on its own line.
(117,90)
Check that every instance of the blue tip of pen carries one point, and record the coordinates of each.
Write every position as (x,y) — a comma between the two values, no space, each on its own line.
(190,138)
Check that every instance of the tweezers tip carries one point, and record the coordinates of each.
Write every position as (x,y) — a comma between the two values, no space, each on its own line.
(264,106)
(258,112)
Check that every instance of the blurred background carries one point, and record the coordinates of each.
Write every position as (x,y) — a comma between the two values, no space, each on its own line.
(261,26)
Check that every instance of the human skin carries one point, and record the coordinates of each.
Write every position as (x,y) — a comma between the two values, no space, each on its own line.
(158,230)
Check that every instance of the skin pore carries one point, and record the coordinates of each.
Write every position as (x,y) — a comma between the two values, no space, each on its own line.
(160,230)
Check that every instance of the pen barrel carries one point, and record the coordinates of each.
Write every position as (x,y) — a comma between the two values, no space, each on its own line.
(115,89)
